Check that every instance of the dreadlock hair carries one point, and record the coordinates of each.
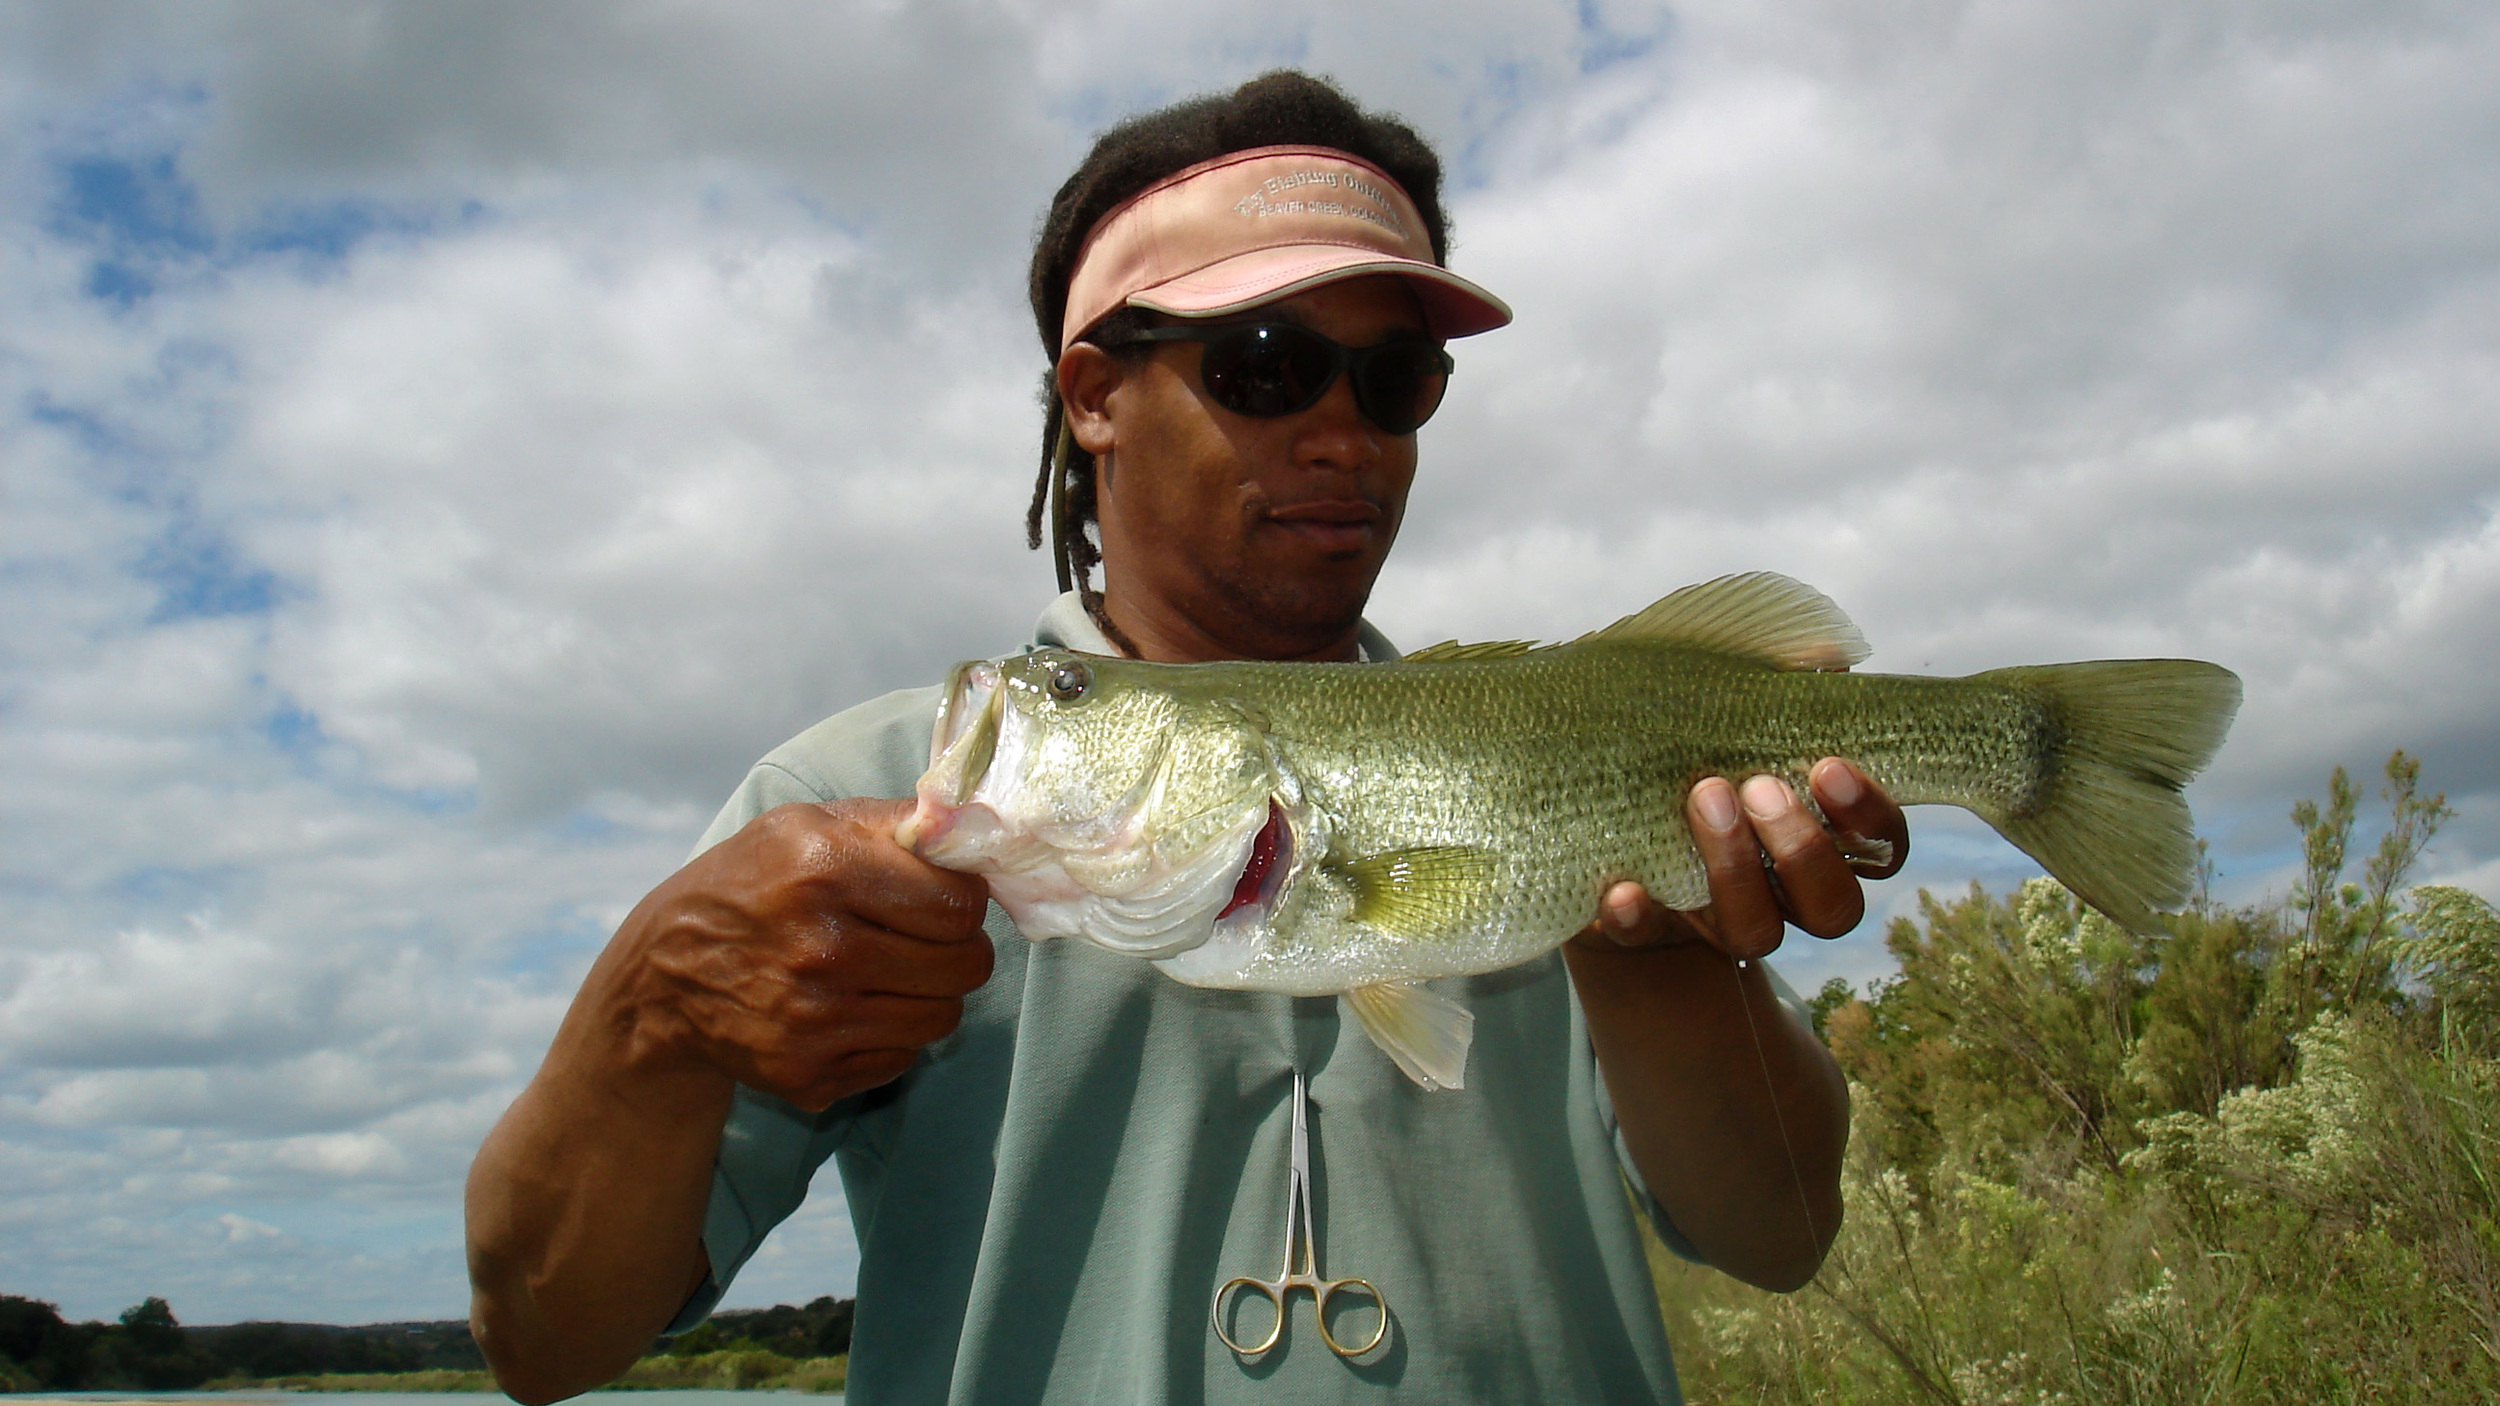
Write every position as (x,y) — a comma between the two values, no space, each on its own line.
(1280,108)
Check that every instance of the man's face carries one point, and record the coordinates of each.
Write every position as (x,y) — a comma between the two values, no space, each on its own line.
(1262,534)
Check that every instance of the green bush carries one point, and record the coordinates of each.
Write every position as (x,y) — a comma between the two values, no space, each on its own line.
(740,1367)
(820,1374)
(2251,1160)
(433,1379)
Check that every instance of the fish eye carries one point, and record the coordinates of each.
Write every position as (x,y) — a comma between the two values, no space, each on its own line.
(1069,681)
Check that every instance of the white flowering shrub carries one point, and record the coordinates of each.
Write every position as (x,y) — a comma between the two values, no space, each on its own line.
(2254,1159)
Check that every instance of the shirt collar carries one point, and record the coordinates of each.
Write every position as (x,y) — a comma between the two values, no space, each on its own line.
(1065,625)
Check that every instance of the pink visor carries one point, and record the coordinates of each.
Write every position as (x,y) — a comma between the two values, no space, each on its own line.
(1254,226)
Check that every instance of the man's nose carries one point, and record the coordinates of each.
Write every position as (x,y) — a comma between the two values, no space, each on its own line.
(1334,434)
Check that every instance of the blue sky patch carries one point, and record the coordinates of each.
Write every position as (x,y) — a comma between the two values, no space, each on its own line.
(295,731)
(329,233)
(198,574)
(84,426)
(138,214)
(555,950)
(1601,48)
(165,888)
(143,217)
(142,204)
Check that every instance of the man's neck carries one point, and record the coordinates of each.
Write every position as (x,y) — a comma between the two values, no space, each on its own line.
(1163,633)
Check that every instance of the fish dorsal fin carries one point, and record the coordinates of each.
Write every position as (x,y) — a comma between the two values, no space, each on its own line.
(1762,615)
(1449,651)
(1423,1032)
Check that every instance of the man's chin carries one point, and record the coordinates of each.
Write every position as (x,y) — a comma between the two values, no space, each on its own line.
(1297,617)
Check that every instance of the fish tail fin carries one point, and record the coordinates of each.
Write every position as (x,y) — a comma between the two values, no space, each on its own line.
(2105,816)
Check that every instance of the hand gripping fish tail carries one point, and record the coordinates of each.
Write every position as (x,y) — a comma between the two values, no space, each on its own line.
(1358,829)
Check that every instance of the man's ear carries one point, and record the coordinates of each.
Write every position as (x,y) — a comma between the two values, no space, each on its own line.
(1087,375)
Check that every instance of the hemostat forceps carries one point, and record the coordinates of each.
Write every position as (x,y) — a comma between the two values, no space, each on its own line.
(1301,1239)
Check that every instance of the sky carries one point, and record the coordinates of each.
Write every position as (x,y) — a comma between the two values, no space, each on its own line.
(442,445)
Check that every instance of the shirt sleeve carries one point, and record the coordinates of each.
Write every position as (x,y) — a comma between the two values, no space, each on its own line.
(769,1153)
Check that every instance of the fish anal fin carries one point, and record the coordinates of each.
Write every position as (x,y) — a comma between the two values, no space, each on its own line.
(1422,892)
(1425,1033)
(1760,615)
(1451,651)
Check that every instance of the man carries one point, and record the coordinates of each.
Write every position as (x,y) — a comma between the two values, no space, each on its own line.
(1053,1154)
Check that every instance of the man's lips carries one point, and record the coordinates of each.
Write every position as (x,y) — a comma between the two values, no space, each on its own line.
(1336,522)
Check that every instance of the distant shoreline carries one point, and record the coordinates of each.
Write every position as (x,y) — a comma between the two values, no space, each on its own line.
(732,1369)
(149,1357)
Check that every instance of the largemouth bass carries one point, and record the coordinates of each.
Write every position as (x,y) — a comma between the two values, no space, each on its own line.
(1357,829)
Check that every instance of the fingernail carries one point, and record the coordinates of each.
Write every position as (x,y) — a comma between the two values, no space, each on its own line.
(1717,803)
(1766,796)
(1841,786)
(1623,905)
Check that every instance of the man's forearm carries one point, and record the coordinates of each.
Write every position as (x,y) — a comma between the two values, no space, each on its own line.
(807,957)
(1748,1166)
(585,1219)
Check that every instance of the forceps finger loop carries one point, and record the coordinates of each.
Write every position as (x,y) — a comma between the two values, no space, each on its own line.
(1380,1307)
(1274,1294)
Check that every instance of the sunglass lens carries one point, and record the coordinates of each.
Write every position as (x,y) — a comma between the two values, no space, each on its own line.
(1400,385)
(1271,369)
(1268,370)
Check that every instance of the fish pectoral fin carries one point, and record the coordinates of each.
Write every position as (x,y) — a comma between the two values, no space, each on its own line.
(1423,892)
(1424,1032)
(1760,615)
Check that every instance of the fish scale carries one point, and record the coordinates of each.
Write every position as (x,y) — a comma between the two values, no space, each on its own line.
(1465,809)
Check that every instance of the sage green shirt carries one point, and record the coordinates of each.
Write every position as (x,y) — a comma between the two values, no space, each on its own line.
(1047,1201)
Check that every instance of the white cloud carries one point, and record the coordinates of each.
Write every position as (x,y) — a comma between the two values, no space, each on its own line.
(469,434)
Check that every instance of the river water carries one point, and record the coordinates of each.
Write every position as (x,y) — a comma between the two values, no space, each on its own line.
(420,1398)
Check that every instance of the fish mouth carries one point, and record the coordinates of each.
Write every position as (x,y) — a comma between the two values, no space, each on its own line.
(971,698)
(962,744)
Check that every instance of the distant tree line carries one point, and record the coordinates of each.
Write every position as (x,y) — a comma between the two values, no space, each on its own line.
(820,1329)
(149,1350)
(146,1350)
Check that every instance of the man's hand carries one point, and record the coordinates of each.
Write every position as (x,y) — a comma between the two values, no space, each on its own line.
(1770,863)
(808,956)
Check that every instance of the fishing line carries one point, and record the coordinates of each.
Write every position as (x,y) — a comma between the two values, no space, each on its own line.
(1796,1174)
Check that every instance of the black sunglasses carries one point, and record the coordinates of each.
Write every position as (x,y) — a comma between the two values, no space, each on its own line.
(1268,369)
